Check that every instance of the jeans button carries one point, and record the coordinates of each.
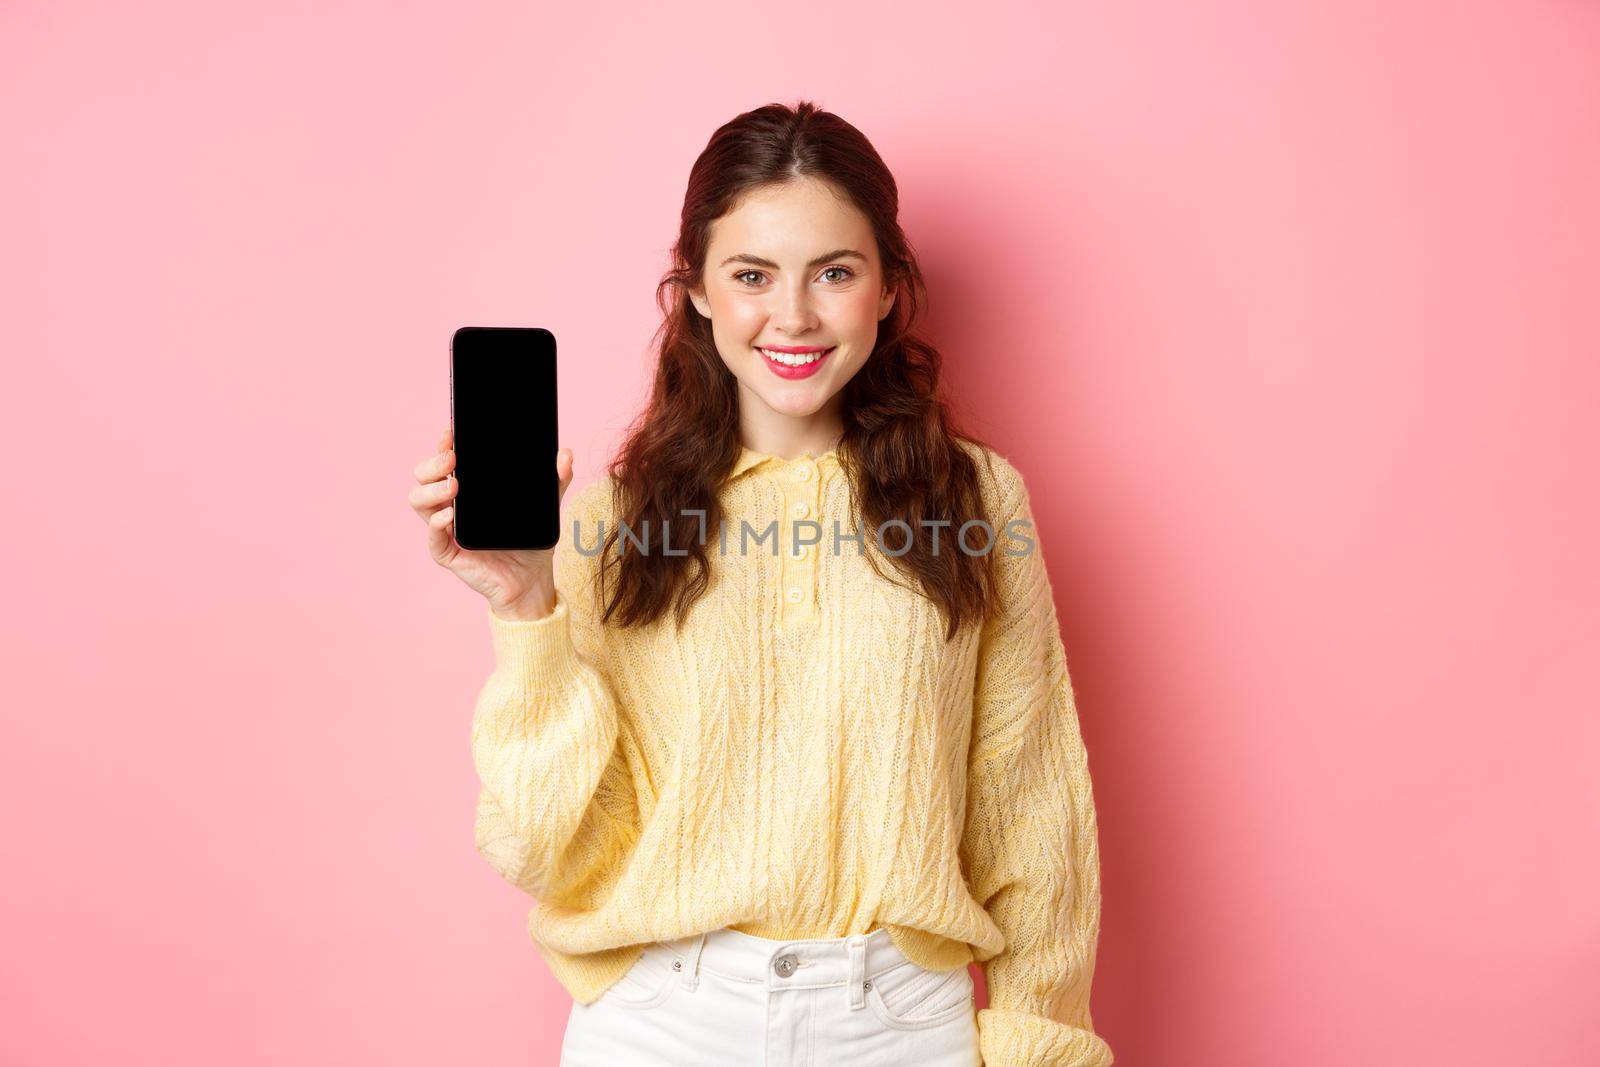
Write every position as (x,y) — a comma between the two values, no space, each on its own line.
(785,964)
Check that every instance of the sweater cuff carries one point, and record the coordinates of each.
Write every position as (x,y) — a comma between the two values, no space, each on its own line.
(1018,1039)
(539,652)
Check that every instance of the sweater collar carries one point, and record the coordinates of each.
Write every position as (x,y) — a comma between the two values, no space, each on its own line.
(749,459)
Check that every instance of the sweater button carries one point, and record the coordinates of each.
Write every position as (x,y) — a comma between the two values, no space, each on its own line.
(793,595)
(803,472)
(785,965)
(799,509)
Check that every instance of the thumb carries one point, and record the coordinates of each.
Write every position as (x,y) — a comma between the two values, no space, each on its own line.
(564,466)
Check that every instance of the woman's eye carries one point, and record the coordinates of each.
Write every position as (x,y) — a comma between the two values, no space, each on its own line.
(742,275)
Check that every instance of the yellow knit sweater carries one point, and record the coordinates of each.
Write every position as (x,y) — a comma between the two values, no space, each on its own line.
(808,757)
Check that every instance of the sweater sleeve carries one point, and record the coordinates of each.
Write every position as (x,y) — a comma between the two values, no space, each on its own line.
(1030,836)
(557,810)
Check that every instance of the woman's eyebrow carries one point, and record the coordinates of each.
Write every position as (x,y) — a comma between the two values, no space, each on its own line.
(746,257)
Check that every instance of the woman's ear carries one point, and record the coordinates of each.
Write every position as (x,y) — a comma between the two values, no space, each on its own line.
(697,296)
(887,300)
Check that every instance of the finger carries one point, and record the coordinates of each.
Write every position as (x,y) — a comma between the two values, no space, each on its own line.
(424,498)
(564,465)
(441,541)
(435,466)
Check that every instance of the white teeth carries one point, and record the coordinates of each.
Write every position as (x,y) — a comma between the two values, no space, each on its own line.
(793,359)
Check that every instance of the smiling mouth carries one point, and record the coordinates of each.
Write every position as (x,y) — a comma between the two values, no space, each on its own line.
(794,359)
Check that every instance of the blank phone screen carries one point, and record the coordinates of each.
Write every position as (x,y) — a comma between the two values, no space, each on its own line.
(503,413)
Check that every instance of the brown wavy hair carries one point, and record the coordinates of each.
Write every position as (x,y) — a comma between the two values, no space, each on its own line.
(899,450)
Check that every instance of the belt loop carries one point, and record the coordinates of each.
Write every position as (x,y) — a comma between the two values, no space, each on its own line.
(691,973)
(858,969)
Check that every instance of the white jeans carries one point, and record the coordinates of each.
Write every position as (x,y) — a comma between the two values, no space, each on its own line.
(730,999)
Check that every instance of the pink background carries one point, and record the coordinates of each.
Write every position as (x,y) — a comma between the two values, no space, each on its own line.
(1288,316)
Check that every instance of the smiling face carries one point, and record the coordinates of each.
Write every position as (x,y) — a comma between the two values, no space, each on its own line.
(793,266)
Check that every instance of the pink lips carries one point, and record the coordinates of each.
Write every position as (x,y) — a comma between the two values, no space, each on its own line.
(783,370)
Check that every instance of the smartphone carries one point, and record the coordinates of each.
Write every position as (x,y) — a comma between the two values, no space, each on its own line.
(503,414)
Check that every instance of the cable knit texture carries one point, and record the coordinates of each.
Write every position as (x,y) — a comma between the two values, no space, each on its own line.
(808,757)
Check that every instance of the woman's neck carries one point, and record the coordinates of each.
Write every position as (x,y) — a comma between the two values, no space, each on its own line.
(791,446)
(789,438)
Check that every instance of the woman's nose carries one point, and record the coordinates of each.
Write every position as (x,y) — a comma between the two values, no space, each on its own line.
(796,315)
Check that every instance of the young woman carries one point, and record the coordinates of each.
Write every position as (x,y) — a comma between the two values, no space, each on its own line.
(780,736)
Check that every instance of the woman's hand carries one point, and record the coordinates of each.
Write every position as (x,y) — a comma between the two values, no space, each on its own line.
(517,584)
